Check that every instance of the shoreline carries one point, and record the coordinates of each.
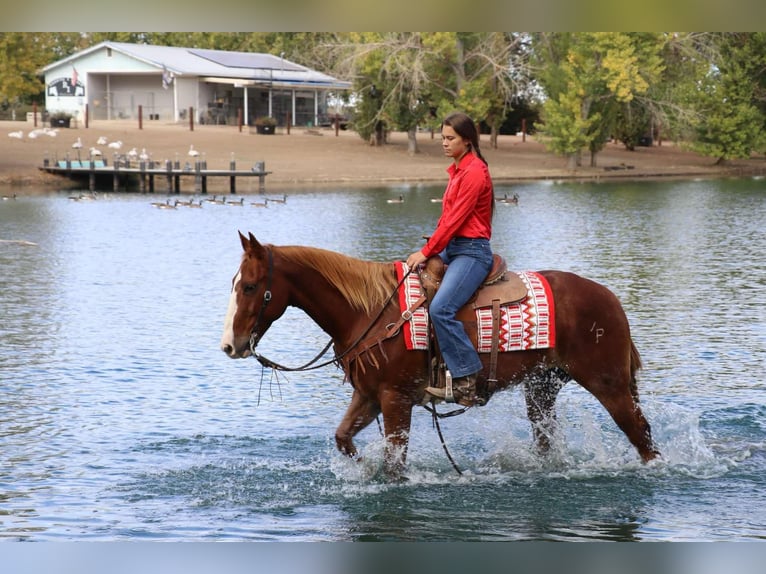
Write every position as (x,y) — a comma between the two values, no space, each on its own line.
(320,157)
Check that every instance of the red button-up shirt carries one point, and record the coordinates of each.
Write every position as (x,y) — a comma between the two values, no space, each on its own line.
(466,205)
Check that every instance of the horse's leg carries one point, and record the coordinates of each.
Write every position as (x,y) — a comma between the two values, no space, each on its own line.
(361,412)
(397,418)
(614,393)
(628,415)
(540,395)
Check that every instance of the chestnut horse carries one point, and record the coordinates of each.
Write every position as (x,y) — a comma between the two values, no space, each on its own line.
(351,300)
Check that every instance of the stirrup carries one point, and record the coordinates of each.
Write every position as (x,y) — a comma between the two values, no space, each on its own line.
(446,394)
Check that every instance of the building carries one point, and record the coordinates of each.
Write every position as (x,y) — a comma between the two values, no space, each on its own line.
(113,80)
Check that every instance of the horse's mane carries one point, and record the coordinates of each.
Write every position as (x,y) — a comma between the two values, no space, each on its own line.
(366,285)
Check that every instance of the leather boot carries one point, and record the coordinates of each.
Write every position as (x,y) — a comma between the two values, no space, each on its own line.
(463,392)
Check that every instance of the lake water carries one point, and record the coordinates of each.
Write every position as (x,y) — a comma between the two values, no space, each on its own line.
(120,418)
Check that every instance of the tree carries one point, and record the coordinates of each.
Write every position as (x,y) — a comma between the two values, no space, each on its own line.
(408,80)
(21,57)
(730,100)
(586,77)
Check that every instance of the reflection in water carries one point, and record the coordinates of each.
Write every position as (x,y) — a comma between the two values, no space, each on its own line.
(119,416)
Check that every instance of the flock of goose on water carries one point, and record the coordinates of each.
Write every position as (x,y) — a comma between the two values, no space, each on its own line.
(171,203)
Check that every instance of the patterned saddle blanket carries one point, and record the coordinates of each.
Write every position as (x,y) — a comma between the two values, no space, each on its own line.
(524,325)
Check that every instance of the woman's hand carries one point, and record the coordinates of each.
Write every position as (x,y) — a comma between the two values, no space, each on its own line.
(416,259)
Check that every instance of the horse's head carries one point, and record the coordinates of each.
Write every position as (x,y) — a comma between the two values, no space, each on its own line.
(252,309)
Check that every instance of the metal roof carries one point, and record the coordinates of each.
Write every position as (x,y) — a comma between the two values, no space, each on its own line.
(247,66)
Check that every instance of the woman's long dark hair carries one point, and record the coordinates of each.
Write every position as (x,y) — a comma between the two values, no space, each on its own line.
(465,127)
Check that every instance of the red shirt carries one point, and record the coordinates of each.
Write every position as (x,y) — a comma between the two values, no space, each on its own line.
(466,205)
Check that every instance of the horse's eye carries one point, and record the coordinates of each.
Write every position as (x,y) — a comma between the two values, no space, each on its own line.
(250,288)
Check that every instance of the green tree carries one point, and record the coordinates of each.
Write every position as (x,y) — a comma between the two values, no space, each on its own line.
(22,55)
(730,99)
(586,77)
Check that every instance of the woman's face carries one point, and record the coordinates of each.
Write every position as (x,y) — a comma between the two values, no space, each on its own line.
(454,146)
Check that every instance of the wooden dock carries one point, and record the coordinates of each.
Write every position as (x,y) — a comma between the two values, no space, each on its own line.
(146,171)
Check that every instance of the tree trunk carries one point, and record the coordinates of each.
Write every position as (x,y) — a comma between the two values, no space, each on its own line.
(412,141)
(593,156)
(574,160)
(378,137)
(493,137)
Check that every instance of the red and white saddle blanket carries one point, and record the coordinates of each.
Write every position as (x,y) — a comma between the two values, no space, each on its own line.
(527,324)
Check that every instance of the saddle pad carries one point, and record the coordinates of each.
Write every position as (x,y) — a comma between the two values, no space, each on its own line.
(416,329)
(526,324)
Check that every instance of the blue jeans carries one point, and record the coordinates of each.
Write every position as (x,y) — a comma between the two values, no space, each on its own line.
(469,261)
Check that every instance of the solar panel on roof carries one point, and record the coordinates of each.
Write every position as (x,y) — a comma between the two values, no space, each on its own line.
(245,60)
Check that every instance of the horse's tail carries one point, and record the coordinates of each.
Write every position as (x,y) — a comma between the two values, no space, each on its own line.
(635,366)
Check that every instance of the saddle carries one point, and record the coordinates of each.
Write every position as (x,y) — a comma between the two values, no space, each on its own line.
(499,288)
(499,284)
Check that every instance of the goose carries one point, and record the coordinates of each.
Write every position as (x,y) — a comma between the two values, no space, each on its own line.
(101,140)
(133,154)
(237,203)
(185,203)
(212,199)
(95,152)
(264,203)
(196,205)
(115,145)
(51,132)
(399,200)
(77,144)
(193,152)
(19,135)
(168,205)
(509,200)
(7,197)
(143,156)
(283,199)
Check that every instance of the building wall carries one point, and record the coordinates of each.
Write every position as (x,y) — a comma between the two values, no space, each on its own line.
(115,86)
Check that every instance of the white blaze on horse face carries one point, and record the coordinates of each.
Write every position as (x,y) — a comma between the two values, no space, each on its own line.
(227,340)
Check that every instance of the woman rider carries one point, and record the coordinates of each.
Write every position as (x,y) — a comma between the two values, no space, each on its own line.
(461,239)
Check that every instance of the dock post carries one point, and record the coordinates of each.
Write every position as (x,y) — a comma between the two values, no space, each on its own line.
(178,183)
(232,177)
(169,168)
(260,166)
(116,177)
(92,179)
(197,177)
(142,167)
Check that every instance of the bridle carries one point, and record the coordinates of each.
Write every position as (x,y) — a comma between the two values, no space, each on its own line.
(267,296)
(254,336)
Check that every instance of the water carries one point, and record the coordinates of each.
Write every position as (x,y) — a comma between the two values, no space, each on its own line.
(121,420)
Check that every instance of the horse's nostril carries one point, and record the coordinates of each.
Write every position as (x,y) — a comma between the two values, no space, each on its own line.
(227,349)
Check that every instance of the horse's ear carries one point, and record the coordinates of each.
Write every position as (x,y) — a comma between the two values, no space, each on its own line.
(250,244)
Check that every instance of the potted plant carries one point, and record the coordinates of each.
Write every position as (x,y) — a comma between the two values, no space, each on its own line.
(265,125)
(60,119)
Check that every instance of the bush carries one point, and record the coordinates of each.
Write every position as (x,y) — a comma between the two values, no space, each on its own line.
(265,121)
